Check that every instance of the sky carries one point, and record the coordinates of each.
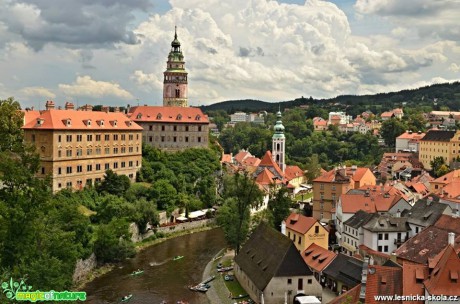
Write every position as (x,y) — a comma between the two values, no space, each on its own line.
(114,52)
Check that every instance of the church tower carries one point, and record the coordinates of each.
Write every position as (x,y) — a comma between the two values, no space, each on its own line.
(175,77)
(278,143)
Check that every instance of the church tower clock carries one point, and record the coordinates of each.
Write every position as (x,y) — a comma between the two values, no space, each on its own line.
(175,77)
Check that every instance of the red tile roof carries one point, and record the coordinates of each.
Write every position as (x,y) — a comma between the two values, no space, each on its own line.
(177,115)
(449,177)
(81,120)
(300,223)
(241,156)
(411,135)
(226,158)
(372,199)
(444,278)
(317,257)
(349,297)
(383,280)
(387,114)
(449,223)
(413,277)
(292,172)
(30,115)
(265,177)
(251,161)
(267,161)
(331,176)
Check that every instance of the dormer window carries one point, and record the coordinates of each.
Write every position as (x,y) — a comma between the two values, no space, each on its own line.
(114,123)
(88,122)
(40,121)
(198,117)
(159,116)
(101,122)
(179,117)
(129,123)
(67,122)
(139,116)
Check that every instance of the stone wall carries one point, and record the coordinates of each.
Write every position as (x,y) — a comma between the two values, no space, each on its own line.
(177,227)
(83,268)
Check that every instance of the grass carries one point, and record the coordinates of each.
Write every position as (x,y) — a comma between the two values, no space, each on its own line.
(306,196)
(235,288)
(85,211)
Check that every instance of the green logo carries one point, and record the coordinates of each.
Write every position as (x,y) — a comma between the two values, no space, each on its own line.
(20,291)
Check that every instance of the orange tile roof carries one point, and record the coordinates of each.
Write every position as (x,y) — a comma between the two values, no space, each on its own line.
(30,115)
(292,172)
(349,297)
(330,176)
(387,114)
(449,177)
(267,161)
(413,277)
(375,201)
(251,161)
(265,177)
(300,223)
(383,280)
(177,115)
(449,223)
(411,135)
(226,158)
(241,156)
(82,120)
(317,257)
(444,278)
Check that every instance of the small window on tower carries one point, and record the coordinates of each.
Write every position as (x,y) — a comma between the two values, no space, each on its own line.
(177,93)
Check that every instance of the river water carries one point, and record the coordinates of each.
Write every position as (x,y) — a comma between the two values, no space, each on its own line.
(163,278)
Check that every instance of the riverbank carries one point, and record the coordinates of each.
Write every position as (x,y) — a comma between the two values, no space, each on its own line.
(99,271)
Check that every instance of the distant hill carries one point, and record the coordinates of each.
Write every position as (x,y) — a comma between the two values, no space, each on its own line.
(436,95)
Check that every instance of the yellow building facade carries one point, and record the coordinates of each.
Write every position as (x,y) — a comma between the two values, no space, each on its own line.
(77,147)
(439,143)
(304,231)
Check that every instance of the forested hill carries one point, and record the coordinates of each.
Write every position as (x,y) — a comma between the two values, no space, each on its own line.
(446,94)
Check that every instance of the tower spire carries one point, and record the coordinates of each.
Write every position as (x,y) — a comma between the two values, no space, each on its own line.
(175,32)
(278,142)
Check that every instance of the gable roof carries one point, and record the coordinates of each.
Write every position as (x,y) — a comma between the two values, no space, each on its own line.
(387,223)
(449,223)
(292,172)
(317,257)
(382,280)
(413,277)
(426,211)
(268,253)
(359,219)
(345,269)
(267,161)
(370,199)
(444,278)
(177,115)
(300,223)
(438,135)
(240,156)
(81,120)
(265,177)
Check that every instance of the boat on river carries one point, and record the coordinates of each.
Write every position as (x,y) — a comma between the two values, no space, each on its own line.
(178,257)
(224,269)
(208,280)
(126,298)
(137,272)
(200,288)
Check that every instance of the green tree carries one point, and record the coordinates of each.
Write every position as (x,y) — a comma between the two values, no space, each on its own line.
(113,242)
(391,129)
(164,194)
(114,183)
(234,224)
(11,120)
(242,192)
(279,207)
(439,166)
(313,168)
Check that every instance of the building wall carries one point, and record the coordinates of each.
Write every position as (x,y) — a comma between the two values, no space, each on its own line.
(325,197)
(276,289)
(74,158)
(351,239)
(175,137)
(247,284)
(368,179)
(371,240)
(303,241)
(431,149)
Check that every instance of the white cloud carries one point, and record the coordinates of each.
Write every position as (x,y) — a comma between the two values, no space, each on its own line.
(38,92)
(454,68)
(87,87)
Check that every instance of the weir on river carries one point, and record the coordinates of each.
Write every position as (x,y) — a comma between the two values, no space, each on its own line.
(163,279)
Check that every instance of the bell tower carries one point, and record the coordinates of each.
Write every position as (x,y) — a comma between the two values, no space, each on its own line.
(175,77)
(279,143)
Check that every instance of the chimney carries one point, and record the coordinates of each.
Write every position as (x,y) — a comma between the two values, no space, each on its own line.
(69,106)
(87,107)
(283,227)
(49,105)
(398,213)
(116,110)
(362,293)
(393,257)
(451,238)
(105,109)
(128,107)
(429,200)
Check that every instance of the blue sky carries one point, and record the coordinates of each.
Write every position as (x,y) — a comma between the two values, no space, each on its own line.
(114,52)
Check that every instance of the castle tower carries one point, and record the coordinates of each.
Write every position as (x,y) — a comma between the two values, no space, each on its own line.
(278,143)
(175,77)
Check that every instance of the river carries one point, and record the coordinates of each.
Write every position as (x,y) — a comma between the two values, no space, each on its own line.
(163,278)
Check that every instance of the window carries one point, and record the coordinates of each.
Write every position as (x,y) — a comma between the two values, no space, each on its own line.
(130,163)
(321,186)
(89,137)
(79,137)
(162,128)
(69,170)
(106,137)
(150,128)
(199,128)
(199,139)
(59,153)
(123,150)
(89,168)
(386,236)
(79,168)
(59,138)
(186,128)
(123,136)
(59,171)
(380,237)
(107,166)
(69,184)
(89,182)
(309,281)
(175,128)
(115,150)
(68,153)
(300,284)
(150,138)
(379,248)
(115,165)
(69,138)
(115,136)
(131,136)
(98,137)
(289,281)
(294,238)
(79,152)
(98,167)
(316,229)
(162,138)
(98,151)
(43,170)
(89,151)
(107,150)
(186,138)
(321,195)
(175,138)
(130,149)
(123,164)
(385,248)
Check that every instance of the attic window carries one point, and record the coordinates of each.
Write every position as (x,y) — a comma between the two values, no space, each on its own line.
(101,122)
(40,121)
(307,253)
(129,123)
(453,275)
(383,280)
(178,117)
(259,262)
(322,259)
(265,268)
(198,117)
(159,116)
(427,215)
(139,116)
(68,122)
(316,255)
(419,275)
(253,255)
(88,122)
(114,123)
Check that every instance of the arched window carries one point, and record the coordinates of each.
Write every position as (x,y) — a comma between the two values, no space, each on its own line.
(177,93)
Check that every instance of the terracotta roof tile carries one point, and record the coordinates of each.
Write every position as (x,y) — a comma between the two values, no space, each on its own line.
(251,161)
(383,280)
(265,177)
(300,223)
(177,115)
(317,257)
(292,172)
(444,278)
(449,223)
(30,115)
(241,156)
(226,158)
(267,161)
(82,120)
(349,297)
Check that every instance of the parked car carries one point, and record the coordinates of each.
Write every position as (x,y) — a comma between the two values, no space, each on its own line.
(228,277)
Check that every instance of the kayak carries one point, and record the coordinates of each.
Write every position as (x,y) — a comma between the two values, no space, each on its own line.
(127,298)
(178,257)
(137,272)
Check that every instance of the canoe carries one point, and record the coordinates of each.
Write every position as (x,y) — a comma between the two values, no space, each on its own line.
(127,299)
(137,272)
(178,257)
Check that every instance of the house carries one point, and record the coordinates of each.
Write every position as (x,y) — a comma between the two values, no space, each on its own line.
(319,124)
(328,187)
(353,234)
(303,231)
(371,199)
(385,233)
(295,176)
(376,281)
(172,128)
(269,267)
(387,115)
(343,273)
(337,118)
(76,148)
(399,165)
(409,141)
(439,143)
(425,212)
(318,258)
(238,117)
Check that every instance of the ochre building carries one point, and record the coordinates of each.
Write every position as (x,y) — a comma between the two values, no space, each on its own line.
(77,147)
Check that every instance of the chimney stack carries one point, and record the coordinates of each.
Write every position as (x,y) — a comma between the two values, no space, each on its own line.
(49,105)
(87,107)
(451,238)
(283,227)
(69,106)
(105,109)
(116,110)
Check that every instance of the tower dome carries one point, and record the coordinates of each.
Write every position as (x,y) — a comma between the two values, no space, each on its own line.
(279,128)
